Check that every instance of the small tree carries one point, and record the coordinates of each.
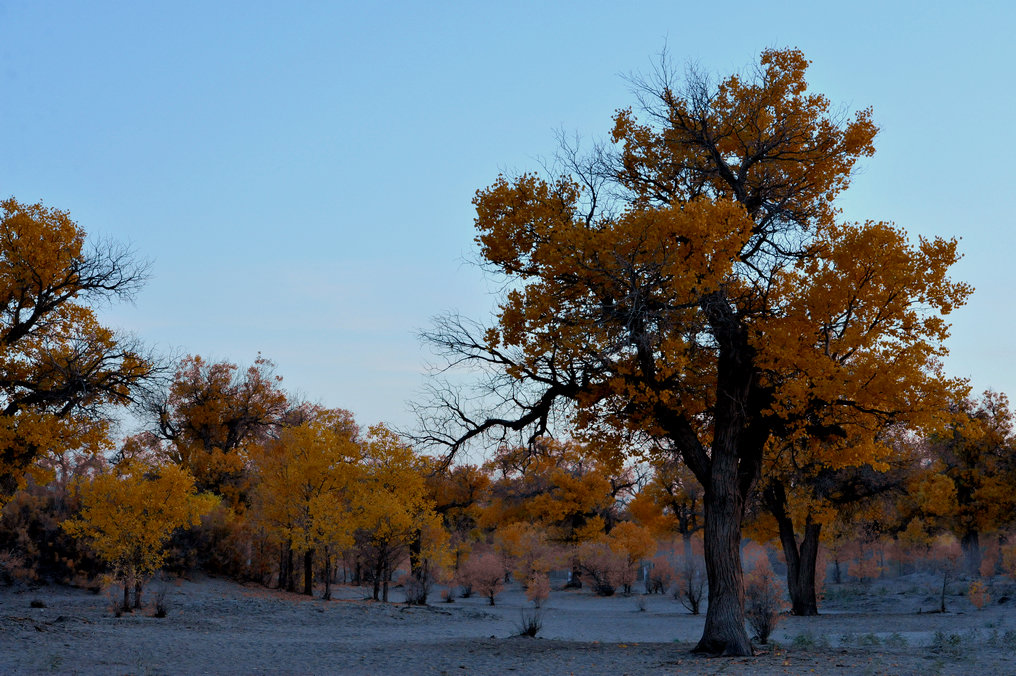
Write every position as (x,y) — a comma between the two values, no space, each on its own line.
(606,567)
(391,507)
(763,600)
(661,576)
(946,556)
(978,594)
(691,583)
(484,573)
(634,543)
(130,513)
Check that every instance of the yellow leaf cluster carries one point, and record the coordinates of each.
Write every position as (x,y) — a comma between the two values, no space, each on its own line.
(129,514)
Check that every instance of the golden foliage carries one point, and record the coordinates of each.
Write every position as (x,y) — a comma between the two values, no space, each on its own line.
(214,414)
(58,366)
(129,514)
(306,479)
(557,485)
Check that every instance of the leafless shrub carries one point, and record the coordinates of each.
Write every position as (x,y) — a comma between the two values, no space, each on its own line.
(660,576)
(691,583)
(161,592)
(416,589)
(532,622)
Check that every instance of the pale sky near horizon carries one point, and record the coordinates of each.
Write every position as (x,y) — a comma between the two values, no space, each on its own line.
(300,173)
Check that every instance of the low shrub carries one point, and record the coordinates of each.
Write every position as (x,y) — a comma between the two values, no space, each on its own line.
(538,589)
(978,594)
(947,644)
(763,600)
(691,583)
(531,623)
(484,573)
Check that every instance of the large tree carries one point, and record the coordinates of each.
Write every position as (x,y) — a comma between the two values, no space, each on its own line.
(60,369)
(694,286)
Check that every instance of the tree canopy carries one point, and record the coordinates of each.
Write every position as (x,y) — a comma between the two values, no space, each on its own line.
(60,369)
(693,286)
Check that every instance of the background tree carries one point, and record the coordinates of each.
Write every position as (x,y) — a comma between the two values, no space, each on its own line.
(804,491)
(567,488)
(635,543)
(30,527)
(670,502)
(968,488)
(60,370)
(460,494)
(304,486)
(212,414)
(128,515)
(696,288)
(391,507)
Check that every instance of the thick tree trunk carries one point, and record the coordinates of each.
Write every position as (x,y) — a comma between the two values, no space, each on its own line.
(308,572)
(801,574)
(126,595)
(138,585)
(971,544)
(728,474)
(724,632)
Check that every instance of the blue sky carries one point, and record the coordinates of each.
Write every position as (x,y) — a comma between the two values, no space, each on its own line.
(300,173)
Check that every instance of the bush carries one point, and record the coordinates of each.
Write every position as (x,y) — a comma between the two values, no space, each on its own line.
(13,568)
(661,576)
(485,574)
(948,644)
(538,589)
(605,567)
(416,588)
(691,583)
(763,600)
(978,594)
(162,583)
(532,622)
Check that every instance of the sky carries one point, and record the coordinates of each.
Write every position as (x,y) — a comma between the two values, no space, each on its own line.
(300,174)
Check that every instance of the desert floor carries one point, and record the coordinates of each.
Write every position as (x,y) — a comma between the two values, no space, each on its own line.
(219,627)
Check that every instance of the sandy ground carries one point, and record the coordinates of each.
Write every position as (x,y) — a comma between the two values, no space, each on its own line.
(219,627)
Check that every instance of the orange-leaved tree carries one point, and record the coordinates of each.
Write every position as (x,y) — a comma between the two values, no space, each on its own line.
(392,509)
(565,487)
(808,485)
(212,414)
(696,287)
(670,502)
(968,487)
(60,369)
(459,494)
(304,482)
(129,514)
